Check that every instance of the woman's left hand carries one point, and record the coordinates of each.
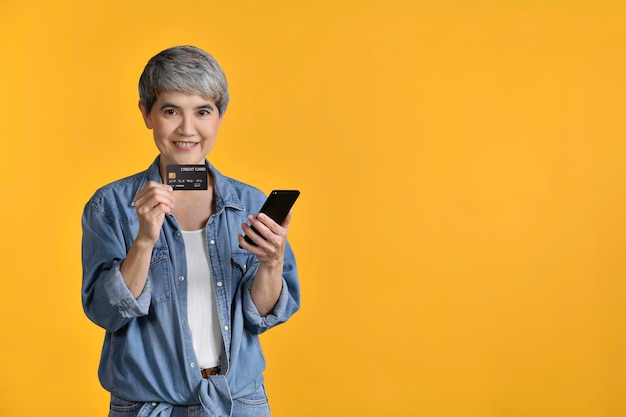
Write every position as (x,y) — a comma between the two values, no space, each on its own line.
(270,239)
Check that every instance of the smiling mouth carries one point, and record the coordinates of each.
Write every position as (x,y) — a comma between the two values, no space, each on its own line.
(185,145)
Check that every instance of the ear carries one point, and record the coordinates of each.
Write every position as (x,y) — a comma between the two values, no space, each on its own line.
(146,115)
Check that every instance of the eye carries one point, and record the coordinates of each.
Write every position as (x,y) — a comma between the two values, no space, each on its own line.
(169,112)
(203,113)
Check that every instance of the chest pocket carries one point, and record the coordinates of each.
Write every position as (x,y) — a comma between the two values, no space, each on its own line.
(241,262)
(159,275)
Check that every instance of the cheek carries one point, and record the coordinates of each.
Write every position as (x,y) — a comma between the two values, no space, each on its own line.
(210,132)
(215,127)
(161,131)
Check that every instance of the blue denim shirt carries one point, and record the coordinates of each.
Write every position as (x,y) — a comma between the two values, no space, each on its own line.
(148,354)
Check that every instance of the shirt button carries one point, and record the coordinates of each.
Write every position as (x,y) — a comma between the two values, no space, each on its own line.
(193,365)
(177,234)
(184,322)
(181,278)
(226,328)
(154,404)
(219,283)
(212,242)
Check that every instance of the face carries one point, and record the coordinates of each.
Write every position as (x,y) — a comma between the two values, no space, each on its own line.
(184,127)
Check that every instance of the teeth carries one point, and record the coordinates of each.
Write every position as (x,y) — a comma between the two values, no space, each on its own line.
(185,144)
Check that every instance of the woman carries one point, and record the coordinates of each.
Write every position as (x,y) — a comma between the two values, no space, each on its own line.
(181,294)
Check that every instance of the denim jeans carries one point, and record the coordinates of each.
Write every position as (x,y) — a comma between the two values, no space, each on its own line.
(253,405)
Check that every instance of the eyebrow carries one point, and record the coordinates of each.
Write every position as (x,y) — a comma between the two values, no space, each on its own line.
(207,106)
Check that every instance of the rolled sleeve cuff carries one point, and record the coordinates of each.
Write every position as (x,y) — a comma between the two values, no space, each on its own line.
(278,315)
(122,299)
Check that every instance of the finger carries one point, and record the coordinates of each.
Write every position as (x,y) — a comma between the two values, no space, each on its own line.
(273,227)
(274,236)
(153,196)
(264,246)
(152,202)
(285,223)
(163,208)
(243,243)
(264,226)
(252,234)
(154,216)
(154,187)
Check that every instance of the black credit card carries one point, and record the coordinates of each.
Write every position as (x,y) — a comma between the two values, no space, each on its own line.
(187,177)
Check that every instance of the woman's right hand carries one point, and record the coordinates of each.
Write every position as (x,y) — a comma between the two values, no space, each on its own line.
(153,203)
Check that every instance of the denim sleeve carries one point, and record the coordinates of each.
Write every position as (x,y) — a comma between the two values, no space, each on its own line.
(288,301)
(107,301)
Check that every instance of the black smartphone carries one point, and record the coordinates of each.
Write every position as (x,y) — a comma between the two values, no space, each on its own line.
(277,206)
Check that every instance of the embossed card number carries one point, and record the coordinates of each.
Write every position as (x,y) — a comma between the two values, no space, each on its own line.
(187,177)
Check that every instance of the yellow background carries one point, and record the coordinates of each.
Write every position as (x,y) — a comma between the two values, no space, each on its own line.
(461,228)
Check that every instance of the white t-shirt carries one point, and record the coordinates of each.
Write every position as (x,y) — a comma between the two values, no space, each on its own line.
(201,305)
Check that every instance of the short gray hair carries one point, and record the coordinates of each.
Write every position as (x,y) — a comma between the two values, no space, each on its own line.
(186,69)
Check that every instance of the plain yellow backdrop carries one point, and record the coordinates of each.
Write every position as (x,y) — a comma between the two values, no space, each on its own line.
(460,232)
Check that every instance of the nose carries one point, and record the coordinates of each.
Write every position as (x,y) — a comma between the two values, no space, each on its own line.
(186,127)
